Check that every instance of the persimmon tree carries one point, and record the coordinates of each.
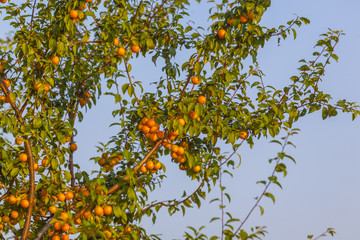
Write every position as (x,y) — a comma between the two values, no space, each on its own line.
(53,69)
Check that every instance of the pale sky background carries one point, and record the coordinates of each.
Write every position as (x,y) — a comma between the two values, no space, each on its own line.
(323,189)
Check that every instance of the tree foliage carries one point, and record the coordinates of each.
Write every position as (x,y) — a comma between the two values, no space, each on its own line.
(54,68)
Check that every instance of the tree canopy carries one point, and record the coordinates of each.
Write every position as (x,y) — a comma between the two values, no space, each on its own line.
(65,55)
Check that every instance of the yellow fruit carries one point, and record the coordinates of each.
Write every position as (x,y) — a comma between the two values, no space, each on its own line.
(180,151)
(18,141)
(174,148)
(57,225)
(158,166)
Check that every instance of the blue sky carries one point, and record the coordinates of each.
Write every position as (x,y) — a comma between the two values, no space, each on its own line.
(322,189)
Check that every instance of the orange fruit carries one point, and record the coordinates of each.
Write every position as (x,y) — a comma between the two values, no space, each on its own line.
(108,210)
(14,214)
(180,151)
(135,48)
(221,33)
(88,1)
(171,137)
(116,42)
(243,19)
(73,14)
(127,229)
(55,60)
(83,101)
(201,99)
(6,219)
(158,166)
(150,165)
(7,83)
(231,21)
(3,1)
(45,162)
(55,238)
(18,141)
(154,129)
(174,148)
(61,197)
(251,15)
(181,159)
(195,80)
(145,129)
(181,121)
(65,237)
(99,211)
(153,137)
(144,120)
(87,215)
(102,162)
(174,155)
(36,166)
(1,186)
(46,87)
(193,115)
(143,169)
(160,134)
(37,85)
(121,51)
(82,6)
(87,95)
(73,147)
(243,135)
(65,227)
(23,157)
(3,98)
(69,195)
(57,226)
(64,216)
(196,169)
(107,233)
(151,123)
(24,203)
(140,127)
(52,209)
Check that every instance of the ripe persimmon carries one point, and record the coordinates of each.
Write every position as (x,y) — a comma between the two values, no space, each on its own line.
(55,60)
(116,42)
(135,48)
(65,227)
(36,166)
(18,141)
(57,225)
(73,14)
(143,169)
(87,215)
(24,203)
(180,151)
(56,237)
(46,87)
(243,135)
(73,147)
(196,169)
(65,237)
(3,1)
(181,121)
(160,134)
(193,115)
(145,129)
(7,83)
(108,210)
(82,6)
(64,216)
(243,19)
(121,51)
(61,197)
(99,211)
(69,195)
(195,80)
(181,159)
(144,120)
(251,15)
(83,101)
(201,99)
(52,209)
(14,214)
(221,33)
(23,157)
(3,98)
(150,165)
(158,166)
(174,148)
(151,123)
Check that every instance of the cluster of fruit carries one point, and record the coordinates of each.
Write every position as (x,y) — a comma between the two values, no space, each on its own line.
(109,163)
(232,21)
